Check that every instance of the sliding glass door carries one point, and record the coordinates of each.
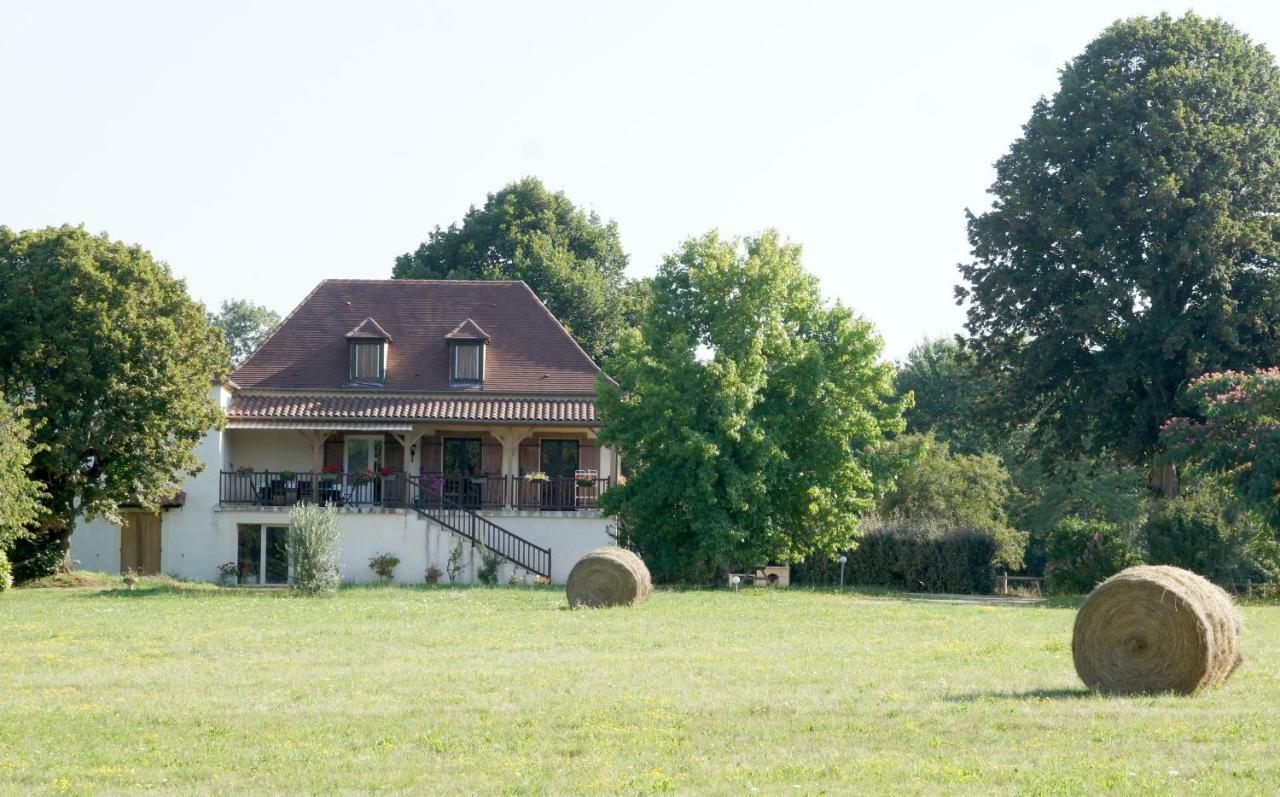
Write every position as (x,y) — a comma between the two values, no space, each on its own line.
(263,558)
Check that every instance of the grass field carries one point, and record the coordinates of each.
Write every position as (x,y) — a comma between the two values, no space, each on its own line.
(504,691)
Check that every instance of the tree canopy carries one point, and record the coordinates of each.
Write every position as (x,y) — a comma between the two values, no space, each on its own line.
(1132,240)
(116,363)
(19,495)
(949,397)
(571,259)
(244,325)
(1235,433)
(968,491)
(749,410)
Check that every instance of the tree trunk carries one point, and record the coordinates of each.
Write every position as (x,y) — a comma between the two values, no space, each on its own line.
(1164,479)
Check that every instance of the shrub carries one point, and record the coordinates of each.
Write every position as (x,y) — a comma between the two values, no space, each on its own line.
(1210,532)
(384,564)
(35,556)
(6,574)
(923,557)
(957,491)
(312,544)
(487,574)
(1082,553)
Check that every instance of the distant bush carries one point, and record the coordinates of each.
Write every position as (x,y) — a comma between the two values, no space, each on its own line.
(957,491)
(33,557)
(923,557)
(6,573)
(312,544)
(1211,532)
(1082,553)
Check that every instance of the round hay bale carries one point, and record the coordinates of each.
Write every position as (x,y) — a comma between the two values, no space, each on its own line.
(1156,629)
(609,577)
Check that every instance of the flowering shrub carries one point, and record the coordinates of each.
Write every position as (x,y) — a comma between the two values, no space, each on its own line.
(1237,434)
(1082,553)
(432,482)
(384,564)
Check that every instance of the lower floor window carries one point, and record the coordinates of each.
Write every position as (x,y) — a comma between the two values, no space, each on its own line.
(263,554)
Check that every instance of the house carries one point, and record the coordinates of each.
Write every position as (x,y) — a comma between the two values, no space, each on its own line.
(433,414)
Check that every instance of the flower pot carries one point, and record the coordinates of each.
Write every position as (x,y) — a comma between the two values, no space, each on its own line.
(228,579)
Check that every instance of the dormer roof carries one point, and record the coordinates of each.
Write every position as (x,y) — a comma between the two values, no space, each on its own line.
(369,329)
(468,330)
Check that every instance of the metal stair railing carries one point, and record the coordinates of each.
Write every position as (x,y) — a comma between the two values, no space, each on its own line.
(473,526)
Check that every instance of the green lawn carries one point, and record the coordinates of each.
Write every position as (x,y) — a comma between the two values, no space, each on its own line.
(505,691)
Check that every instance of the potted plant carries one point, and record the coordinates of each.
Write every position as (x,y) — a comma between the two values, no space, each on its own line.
(537,476)
(586,482)
(433,575)
(364,476)
(384,564)
(479,478)
(228,574)
(331,470)
(287,475)
(244,470)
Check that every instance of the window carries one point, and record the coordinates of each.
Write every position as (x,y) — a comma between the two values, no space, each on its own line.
(367,361)
(559,458)
(468,362)
(263,557)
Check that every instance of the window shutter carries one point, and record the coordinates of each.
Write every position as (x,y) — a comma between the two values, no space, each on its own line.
(491,458)
(529,457)
(589,457)
(431,455)
(393,454)
(333,453)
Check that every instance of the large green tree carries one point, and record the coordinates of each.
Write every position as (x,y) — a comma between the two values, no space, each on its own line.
(571,259)
(949,396)
(19,494)
(244,325)
(116,363)
(749,409)
(1132,241)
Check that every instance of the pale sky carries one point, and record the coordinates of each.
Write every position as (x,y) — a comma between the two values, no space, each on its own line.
(260,147)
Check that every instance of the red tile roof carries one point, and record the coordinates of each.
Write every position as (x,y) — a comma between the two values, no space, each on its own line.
(529,352)
(416,408)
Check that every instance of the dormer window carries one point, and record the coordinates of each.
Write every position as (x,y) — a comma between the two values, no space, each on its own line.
(367,362)
(468,363)
(369,343)
(467,344)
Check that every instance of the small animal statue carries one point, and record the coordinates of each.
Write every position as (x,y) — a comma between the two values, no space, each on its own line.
(130,579)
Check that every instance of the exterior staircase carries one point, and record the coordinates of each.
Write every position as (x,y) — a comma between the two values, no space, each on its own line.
(473,526)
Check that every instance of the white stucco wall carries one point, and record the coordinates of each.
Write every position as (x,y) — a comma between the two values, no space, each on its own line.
(268,449)
(198,537)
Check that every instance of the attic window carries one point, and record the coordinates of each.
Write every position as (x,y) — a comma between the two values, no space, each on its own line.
(368,351)
(368,361)
(468,363)
(466,353)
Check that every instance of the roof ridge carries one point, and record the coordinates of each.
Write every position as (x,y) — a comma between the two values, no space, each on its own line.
(396,280)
